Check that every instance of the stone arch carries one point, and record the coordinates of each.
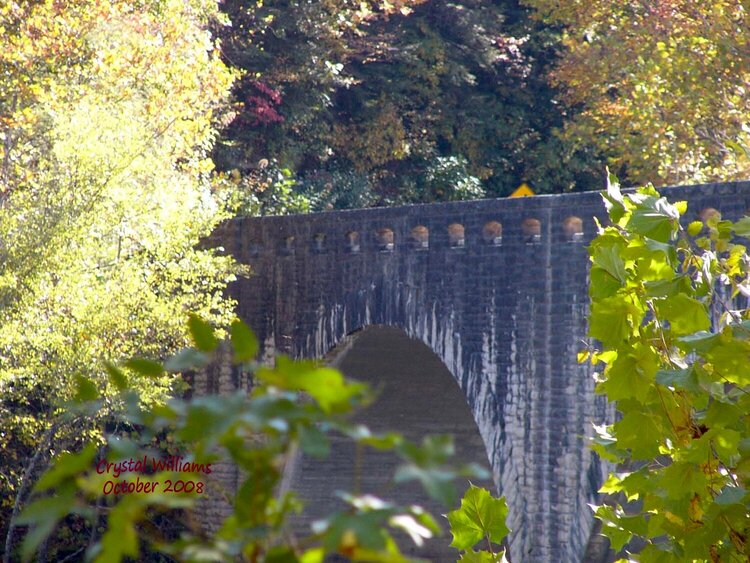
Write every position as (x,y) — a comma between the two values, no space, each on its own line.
(417,396)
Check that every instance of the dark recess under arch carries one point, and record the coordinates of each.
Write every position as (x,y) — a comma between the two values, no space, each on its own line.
(417,396)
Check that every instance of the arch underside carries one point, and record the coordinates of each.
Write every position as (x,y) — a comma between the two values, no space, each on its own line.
(416,396)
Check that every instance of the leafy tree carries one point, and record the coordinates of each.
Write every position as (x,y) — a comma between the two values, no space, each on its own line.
(107,114)
(293,405)
(362,104)
(669,311)
(661,86)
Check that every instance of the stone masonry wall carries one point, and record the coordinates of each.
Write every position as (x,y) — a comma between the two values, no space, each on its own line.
(505,312)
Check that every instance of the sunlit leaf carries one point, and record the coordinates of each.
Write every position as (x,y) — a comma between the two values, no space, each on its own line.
(480,516)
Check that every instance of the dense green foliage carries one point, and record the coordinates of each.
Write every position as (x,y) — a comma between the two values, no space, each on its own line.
(107,114)
(259,433)
(361,100)
(374,103)
(669,308)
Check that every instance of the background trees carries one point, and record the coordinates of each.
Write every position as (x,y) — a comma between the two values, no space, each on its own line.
(426,101)
(660,87)
(107,114)
(359,104)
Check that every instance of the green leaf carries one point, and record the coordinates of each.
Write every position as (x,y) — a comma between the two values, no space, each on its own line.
(612,528)
(437,482)
(314,555)
(326,385)
(731,495)
(363,530)
(281,554)
(314,442)
(742,227)
(695,228)
(657,221)
(202,333)
(726,444)
(608,258)
(625,379)
(148,368)
(186,360)
(667,288)
(121,537)
(85,389)
(480,516)
(686,379)
(731,359)
(602,283)
(483,557)
(44,514)
(684,314)
(681,480)
(608,321)
(244,342)
(613,200)
(639,432)
(66,466)
(700,342)
(116,376)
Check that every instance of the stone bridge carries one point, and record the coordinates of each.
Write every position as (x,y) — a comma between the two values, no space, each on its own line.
(468,316)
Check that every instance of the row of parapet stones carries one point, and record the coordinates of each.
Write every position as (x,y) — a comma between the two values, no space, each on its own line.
(419,238)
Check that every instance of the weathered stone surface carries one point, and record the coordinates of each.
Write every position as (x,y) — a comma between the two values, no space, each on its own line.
(506,319)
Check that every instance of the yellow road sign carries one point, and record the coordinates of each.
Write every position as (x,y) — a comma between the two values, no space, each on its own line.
(522,191)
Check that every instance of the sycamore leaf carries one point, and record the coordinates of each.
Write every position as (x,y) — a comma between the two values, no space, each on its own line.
(148,368)
(609,320)
(116,376)
(66,466)
(658,222)
(480,516)
(608,259)
(639,432)
(742,227)
(187,359)
(85,389)
(730,495)
(684,314)
(679,379)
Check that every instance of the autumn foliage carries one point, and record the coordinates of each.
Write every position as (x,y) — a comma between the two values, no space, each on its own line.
(661,87)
